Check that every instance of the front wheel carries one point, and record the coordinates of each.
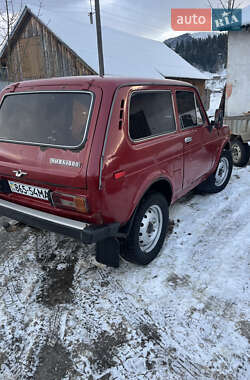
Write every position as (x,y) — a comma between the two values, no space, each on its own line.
(149,229)
(217,181)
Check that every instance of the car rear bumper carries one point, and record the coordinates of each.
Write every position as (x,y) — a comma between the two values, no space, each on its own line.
(79,230)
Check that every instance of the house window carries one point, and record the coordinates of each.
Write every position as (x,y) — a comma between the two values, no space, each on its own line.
(151,114)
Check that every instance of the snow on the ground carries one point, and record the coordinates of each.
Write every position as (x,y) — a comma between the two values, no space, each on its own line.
(184,316)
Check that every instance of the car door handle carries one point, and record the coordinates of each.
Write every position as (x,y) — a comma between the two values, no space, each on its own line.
(188,140)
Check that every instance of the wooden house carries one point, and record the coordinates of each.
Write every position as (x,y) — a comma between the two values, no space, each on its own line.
(51,46)
(36,52)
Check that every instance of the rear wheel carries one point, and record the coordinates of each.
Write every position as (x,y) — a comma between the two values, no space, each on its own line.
(149,229)
(217,181)
(240,153)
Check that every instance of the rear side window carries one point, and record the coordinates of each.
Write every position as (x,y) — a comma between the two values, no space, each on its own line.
(186,108)
(151,114)
(51,118)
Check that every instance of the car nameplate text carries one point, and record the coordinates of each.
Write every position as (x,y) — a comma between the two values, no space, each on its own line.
(59,161)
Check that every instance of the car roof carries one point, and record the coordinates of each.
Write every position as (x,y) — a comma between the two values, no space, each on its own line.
(93,80)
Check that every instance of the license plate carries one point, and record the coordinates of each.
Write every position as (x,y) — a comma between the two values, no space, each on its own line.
(30,191)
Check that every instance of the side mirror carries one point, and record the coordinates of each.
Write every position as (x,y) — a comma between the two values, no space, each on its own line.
(218,118)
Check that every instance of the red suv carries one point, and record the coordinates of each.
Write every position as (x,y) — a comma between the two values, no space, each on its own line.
(102,159)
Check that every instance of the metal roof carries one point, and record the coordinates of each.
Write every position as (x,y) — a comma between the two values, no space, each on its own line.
(124,54)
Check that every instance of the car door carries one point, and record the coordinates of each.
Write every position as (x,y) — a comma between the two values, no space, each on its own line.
(210,133)
(146,148)
(153,133)
(193,127)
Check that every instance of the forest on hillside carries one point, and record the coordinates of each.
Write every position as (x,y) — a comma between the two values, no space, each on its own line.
(209,54)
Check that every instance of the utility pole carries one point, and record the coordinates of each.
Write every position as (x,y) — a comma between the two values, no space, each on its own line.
(99,37)
(229,4)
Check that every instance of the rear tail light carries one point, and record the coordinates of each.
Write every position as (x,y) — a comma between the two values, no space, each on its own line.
(69,202)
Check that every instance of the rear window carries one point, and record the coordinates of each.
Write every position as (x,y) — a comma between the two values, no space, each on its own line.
(52,118)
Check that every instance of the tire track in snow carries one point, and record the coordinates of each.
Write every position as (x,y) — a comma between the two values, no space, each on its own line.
(218,223)
(180,364)
(26,341)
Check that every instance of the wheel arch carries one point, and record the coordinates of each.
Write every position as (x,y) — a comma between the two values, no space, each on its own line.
(234,137)
(225,146)
(161,185)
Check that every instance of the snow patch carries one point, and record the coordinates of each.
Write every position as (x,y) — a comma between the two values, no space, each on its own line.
(183,316)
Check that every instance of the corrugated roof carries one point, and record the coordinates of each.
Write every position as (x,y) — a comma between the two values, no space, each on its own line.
(124,54)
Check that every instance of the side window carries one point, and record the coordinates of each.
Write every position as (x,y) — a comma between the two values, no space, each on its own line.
(200,114)
(151,114)
(186,108)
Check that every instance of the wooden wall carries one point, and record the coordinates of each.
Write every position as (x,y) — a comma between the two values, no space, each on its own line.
(37,53)
(200,84)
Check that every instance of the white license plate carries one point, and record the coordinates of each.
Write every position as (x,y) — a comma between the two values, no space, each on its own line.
(30,191)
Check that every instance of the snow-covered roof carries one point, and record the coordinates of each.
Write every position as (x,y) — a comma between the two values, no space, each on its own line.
(246,16)
(124,54)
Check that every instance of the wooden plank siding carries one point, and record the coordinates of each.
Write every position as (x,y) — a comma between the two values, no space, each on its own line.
(200,84)
(37,53)
(32,64)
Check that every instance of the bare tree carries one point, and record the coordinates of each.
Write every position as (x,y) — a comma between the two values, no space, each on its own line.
(226,4)
(10,11)
(8,17)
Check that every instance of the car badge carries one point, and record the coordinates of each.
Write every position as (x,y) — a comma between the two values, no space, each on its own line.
(59,161)
(19,173)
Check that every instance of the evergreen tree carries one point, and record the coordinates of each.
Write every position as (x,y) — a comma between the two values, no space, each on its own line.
(209,54)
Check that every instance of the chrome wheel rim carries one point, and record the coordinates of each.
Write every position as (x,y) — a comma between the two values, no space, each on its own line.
(236,153)
(222,171)
(150,228)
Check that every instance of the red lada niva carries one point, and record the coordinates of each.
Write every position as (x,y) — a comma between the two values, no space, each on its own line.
(102,159)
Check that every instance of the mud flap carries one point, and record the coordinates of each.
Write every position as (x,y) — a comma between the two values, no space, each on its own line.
(108,252)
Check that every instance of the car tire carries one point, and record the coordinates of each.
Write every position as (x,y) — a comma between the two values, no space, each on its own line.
(217,181)
(240,153)
(148,230)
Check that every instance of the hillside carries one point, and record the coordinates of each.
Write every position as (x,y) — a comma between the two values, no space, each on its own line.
(207,52)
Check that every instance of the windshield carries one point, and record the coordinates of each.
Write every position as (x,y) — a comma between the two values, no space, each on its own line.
(46,118)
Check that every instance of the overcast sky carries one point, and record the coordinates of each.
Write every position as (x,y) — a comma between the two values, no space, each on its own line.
(147,18)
